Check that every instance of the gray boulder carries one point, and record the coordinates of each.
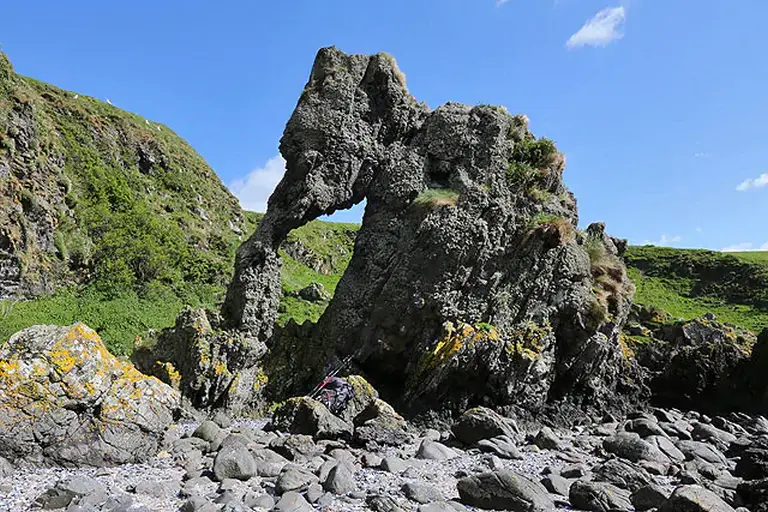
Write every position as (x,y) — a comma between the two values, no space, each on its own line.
(694,498)
(442,506)
(696,450)
(422,492)
(304,415)
(630,446)
(547,439)
(393,465)
(268,462)
(432,450)
(64,399)
(482,423)
(292,502)
(504,490)
(622,474)
(556,484)
(380,424)
(599,497)
(502,446)
(234,461)
(208,431)
(340,480)
(649,497)
(294,479)
(6,468)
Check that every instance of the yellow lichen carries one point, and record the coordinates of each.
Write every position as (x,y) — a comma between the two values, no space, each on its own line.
(260,380)
(626,350)
(220,368)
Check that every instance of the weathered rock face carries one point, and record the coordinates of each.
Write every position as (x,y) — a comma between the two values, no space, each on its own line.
(467,221)
(64,399)
(212,368)
(705,365)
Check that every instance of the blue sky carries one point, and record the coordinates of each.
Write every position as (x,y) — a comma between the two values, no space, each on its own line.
(660,106)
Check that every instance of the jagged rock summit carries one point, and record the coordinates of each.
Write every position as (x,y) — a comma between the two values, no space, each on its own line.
(469,283)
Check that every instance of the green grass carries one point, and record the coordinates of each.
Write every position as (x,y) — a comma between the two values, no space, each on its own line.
(688,283)
(118,318)
(437,197)
(760,257)
(119,315)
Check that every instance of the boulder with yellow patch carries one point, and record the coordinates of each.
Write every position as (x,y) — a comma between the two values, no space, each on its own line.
(65,400)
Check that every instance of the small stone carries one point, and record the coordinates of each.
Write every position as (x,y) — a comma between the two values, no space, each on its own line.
(547,439)
(294,479)
(574,471)
(648,497)
(208,431)
(260,501)
(292,502)
(371,460)
(432,450)
(556,484)
(234,462)
(422,493)
(393,465)
(339,480)
(314,493)
(158,489)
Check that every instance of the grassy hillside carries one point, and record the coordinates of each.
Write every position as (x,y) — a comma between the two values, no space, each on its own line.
(688,283)
(112,219)
(325,249)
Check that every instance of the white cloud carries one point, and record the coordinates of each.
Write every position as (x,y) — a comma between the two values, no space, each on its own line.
(254,190)
(759,182)
(699,229)
(743,247)
(600,30)
(501,2)
(702,155)
(665,241)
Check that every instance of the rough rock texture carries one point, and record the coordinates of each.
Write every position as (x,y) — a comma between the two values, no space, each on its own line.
(211,367)
(694,498)
(702,365)
(304,415)
(468,228)
(65,399)
(505,490)
(481,423)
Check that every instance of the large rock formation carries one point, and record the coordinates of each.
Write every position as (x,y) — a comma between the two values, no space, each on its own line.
(211,367)
(469,282)
(65,399)
(703,364)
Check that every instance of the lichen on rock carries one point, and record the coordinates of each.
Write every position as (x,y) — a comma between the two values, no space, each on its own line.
(65,399)
(213,368)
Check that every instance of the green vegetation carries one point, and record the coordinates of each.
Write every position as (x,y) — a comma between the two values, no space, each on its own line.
(121,315)
(752,256)
(530,160)
(437,197)
(688,283)
(117,317)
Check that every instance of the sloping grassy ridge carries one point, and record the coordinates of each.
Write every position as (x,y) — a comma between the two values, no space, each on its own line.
(687,283)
